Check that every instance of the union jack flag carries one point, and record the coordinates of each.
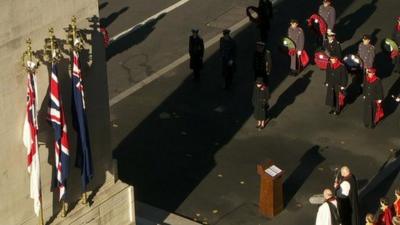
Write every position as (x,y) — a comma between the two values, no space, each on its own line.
(83,154)
(61,141)
(30,141)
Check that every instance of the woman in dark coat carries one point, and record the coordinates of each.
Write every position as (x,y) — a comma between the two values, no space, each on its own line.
(336,82)
(372,95)
(260,102)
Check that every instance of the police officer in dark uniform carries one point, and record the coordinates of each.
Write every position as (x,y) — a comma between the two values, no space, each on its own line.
(196,52)
(366,51)
(332,46)
(265,15)
(262,62)
(227,48)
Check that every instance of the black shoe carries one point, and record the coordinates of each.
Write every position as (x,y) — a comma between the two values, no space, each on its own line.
(336,113)
(331,112)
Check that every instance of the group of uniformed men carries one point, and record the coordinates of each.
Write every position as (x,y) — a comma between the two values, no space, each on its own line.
(336,72)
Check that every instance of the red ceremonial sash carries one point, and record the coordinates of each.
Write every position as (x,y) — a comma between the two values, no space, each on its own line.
(379,114)
(304,59)
(342,99)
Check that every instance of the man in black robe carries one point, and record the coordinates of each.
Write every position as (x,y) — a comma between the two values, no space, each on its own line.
(336,82)
(372,95)
(262,62)
(332,46)
(346,190)
(227,48)
(265,15)
(196,52)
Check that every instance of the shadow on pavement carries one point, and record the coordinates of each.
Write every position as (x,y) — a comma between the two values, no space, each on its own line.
(289,96)
(136,36)
(347,26)
(106,21)
(308,162)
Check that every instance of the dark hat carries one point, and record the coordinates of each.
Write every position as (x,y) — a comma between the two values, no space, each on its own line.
(260,43)
(367,37)
(259,80)
(334,57)
(195,30)
(294,21)
(327,0)
(226,31)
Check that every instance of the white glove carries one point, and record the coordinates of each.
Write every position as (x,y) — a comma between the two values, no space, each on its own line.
(342,88)
(316,21)
(397,99)
(285,42)
(357,61)
(364,97)
(326,84)
(329,31)
(299,53)
(321,56)
(379,101)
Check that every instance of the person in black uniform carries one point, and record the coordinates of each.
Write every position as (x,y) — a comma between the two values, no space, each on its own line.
(332,46)
(196,52)
(260,102)
(372,95)
(265,15)
(262,62)
(336,82)
(227,48)
(396,38)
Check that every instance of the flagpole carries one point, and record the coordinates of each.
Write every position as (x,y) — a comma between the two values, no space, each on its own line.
(41,217)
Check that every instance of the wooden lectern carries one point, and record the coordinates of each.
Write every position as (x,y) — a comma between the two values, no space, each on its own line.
(271,193)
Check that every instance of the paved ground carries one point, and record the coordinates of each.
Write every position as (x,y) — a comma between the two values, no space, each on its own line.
(192,148)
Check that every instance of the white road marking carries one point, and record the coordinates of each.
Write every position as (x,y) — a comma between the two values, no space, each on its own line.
(137,26)
(171,66)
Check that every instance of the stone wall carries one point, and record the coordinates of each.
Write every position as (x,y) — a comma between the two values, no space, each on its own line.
(31,18)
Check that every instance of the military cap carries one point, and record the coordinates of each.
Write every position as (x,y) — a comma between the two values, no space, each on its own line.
(226,31)
(195,30)
(327,0)
(294,21)
(259,80)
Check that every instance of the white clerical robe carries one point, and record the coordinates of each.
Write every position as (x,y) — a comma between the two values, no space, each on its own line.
(324,214)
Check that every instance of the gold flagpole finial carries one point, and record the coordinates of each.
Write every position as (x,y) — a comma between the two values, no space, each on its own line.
(74,38)
(29,61)
(51,49)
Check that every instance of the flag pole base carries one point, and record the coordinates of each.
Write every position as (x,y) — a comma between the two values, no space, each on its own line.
(84,198)
(64,209)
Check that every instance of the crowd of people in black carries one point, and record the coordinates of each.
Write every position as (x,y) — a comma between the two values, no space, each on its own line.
(329,57)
